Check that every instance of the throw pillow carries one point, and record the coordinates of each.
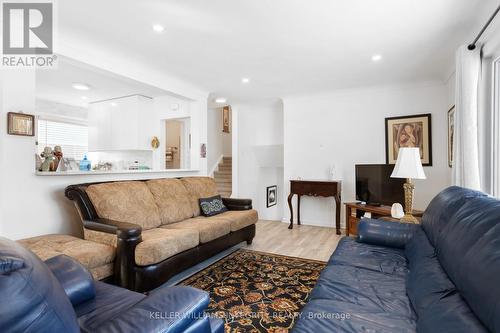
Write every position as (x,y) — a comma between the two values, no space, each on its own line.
(212,206)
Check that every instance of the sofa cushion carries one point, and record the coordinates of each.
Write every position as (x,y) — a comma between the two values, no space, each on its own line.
(94,256)
(387,260)
(426,282)
(110,301)
(240,218)
(209,228)
(199,187)
(381,292)
(172,198)
(468,251)
(324,315)
(159,244)
(212,206)
(130,202)
(442,207)
(449,314)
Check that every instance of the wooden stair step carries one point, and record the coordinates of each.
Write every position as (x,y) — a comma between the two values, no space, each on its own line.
(223,180)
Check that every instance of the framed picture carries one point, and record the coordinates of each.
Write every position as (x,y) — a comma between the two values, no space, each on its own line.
(451,134)
(20,124)
(225,119)
(408,131)
(272,195)
(203,150)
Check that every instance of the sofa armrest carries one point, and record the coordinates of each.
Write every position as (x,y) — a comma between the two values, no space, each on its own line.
(123,230)
(75,279)
(128,236)
(167,310)
(237,204)
(385,233)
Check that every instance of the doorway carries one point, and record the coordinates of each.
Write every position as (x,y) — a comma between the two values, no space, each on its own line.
(178,143)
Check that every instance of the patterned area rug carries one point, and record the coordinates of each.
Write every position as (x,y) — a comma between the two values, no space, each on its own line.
(257,292)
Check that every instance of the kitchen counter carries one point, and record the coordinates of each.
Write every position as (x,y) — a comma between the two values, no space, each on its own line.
(112,172)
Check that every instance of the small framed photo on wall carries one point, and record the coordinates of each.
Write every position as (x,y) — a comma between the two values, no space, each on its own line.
(272,195)
(225,119)
(451,135)
(408,132)
(20,124)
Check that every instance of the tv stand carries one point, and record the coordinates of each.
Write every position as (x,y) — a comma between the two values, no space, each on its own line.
(354,211)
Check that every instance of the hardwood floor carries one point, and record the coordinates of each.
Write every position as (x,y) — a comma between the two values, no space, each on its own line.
(302,241)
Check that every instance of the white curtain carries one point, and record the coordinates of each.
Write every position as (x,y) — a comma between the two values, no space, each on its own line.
(466,149)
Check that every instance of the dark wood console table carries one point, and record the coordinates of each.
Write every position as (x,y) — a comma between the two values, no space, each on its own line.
(315,188)
(354,212)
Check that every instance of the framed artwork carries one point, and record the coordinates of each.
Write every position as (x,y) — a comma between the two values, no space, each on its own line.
(408,131)
(20,124)
(203,150)
(225,119)
(451,134)
(272,195)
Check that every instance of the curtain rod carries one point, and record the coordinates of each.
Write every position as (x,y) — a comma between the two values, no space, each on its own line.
(473,45)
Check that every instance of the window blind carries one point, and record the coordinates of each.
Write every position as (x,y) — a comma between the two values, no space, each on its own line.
(72,138)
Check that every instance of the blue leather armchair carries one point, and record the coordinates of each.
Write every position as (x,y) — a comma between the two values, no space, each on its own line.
(440,276)
(61,296)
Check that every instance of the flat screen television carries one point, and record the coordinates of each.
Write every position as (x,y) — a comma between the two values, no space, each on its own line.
(375,186)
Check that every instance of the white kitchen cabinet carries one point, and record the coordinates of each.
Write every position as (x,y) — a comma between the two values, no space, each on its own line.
(121,124)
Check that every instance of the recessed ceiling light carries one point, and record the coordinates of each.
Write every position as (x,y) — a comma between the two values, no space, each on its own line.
(158,28)
(113,104)
(220,100)
(376,58)
(80,86)
(85,98)
(245,80)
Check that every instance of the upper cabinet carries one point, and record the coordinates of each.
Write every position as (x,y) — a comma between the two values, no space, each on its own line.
(121,124)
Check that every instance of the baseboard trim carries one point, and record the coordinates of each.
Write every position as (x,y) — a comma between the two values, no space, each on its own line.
(328,224)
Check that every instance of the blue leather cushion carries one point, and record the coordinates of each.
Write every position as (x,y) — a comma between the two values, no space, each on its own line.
(32,299)
(379,291)
(382,259)
(442,207)
(212,206)
(76,281)
(385,233)
(426,282)
(322,315)
(110,301)
(166,310)
(449,314)
(468,249)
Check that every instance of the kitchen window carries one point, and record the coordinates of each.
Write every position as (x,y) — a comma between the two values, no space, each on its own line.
(73,138)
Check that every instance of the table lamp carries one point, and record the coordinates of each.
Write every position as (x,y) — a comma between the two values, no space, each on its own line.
(409,166)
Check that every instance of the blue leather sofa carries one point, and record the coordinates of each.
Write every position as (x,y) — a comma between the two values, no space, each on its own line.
(440,276)
(61,296)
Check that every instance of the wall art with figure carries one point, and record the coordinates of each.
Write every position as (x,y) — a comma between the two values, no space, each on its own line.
(408,131)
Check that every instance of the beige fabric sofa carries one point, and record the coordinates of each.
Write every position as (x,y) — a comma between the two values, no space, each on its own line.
(167,211)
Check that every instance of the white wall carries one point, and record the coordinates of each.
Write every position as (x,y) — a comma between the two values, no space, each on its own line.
(258,125)
(32,205)
(347,127)
(214,138)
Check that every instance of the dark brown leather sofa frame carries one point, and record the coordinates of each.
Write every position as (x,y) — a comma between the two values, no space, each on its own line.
(144,278)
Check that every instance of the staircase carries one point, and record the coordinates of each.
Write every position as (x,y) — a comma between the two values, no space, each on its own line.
(224,177)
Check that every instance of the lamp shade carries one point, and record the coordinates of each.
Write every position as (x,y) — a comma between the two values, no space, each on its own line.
(408,164)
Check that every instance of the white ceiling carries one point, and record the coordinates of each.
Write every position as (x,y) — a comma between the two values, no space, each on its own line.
(284,46)
(56,84)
